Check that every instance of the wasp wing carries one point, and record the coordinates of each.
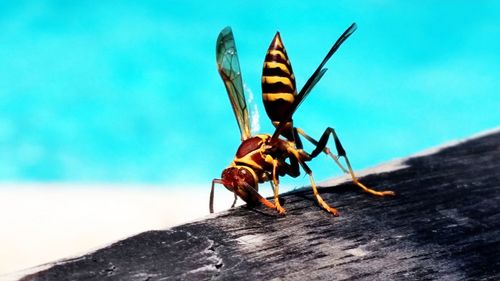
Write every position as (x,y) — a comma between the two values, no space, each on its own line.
(311,82)
(229,69)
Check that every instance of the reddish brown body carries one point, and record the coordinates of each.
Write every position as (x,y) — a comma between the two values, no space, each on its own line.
(253,164)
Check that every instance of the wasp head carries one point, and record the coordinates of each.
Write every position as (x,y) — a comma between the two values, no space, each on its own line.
(242,181)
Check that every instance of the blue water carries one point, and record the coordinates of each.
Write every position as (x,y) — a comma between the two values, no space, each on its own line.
(128,92)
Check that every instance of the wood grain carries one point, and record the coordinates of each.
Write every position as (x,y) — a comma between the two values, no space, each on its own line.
(444,224)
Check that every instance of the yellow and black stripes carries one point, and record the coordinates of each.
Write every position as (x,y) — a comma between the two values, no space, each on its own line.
(278,83)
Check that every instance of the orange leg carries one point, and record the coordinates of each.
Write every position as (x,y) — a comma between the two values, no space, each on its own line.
(275,184)
(257,197)
(320,200)
(306,168)
(321,146)
(253,193)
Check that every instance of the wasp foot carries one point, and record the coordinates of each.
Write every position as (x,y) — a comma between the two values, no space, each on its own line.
(374,192)
(280,210)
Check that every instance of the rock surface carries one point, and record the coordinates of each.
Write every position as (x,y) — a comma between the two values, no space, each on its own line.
(444,224)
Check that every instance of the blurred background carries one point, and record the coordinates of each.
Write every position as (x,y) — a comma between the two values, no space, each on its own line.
(128,91)
(114,120)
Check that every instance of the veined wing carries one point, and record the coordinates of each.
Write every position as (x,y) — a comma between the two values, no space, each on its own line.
(229,69)
(311,82)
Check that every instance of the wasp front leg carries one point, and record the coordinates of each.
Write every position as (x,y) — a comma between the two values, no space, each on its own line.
(211,203)
(275,185)
(235,199)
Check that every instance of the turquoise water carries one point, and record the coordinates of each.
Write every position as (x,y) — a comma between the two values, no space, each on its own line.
(128,92)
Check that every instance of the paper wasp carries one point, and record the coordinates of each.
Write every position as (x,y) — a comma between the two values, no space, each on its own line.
(265,157)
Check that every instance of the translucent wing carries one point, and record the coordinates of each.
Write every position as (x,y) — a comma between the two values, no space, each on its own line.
(229,70)
(315,77)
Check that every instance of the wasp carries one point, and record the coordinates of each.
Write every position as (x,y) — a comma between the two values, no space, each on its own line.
(265,157)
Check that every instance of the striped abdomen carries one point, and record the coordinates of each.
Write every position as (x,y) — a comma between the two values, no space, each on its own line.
(278,84)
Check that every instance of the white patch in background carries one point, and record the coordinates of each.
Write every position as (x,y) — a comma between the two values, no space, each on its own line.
(41,223)
(253,111)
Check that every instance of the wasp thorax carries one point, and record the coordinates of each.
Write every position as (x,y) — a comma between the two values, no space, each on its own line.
(242,181)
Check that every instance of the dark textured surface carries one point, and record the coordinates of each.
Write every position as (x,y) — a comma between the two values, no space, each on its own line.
(444,224)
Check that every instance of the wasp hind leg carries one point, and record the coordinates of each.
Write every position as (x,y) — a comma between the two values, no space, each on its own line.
(321,146)
(326,150)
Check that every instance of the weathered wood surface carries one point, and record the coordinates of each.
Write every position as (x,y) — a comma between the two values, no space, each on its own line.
(444,224)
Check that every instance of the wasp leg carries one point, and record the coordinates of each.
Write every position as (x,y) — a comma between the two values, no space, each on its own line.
(296,137)
(320,200)
(211,204)
(292,169)
(321,146)
(326,150)
(248,189)
(297,155)
(275,184)
(257,197)
(235,199)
